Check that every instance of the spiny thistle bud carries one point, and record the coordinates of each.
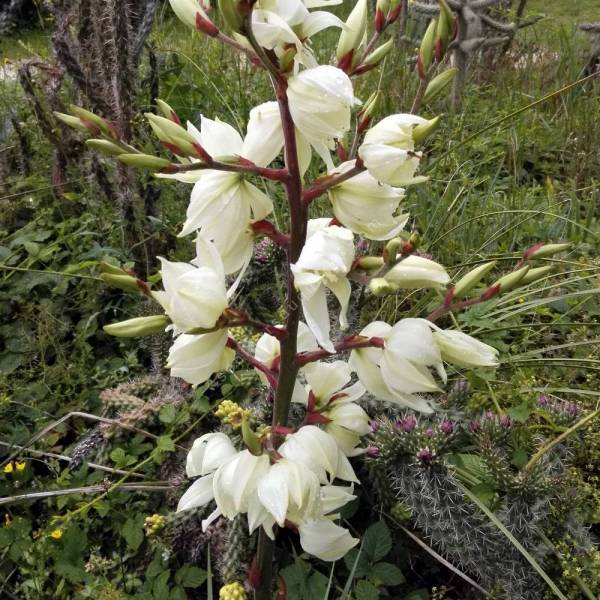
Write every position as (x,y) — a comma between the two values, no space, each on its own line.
(512,280)
(353,34)
(139,326)
(438,84)
(421,132)
(544,250)
(466,283)
(105,147)
(145,161)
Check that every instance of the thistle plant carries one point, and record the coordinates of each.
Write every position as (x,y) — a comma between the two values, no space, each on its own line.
(284,473)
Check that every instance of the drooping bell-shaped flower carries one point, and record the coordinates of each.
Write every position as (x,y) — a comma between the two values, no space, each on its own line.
(319,452)
(187,10)
(388,150)
(195,358)
(331,399)
(194,295)
(462,350)
(366,206)
(325,540)
(400,371)
(415,272)
(208,453)
(320,102)
(324,262)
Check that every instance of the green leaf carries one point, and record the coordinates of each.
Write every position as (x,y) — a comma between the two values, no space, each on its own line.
(362,567)
(74,543)
(178,593)
(377,542)
(385,573)
(167,413)
(521,412)
(165,444)
(190,576)
(519,458)
(365,591)
(160,587)
(133,532)
(317,586)
(72,573)
(417,595)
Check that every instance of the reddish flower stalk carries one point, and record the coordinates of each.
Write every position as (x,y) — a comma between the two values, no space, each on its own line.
(320,186)
(234,345)
(350,343)
(242,166)
(446,307)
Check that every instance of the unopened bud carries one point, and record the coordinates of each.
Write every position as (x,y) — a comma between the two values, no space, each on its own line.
(370,263)
(369,110)
(89,117)
(421,132)
(380,19)
(353,34)
(145,161)
(232,14)
(438,84)
(466,283)
(392,249)
(127,283)
(168,131)
(380,287)
(187,10)
(105,267)
(545,250)
(167,111)
(71,121)
(512,280)
(105,147)
(535,274)
(445,26)
(138,327)
(251,440)
(379,54)
(428,44)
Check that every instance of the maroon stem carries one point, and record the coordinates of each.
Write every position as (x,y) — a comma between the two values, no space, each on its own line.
(350,343)
(444,309)
(235,345)
(243,166)
(326,183)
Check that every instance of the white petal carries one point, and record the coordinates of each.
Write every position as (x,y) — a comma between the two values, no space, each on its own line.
(198,494)
(325,540)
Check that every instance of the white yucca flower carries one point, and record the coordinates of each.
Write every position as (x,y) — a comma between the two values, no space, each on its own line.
(462,350)
(415,272)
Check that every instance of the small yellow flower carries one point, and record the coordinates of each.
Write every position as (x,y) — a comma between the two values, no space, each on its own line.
(9,468)
(7,520)
(232,413)
(21,466)
(56,534)
(233,591)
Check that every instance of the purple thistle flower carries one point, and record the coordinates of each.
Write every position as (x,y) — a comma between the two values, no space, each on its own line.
(407,424)
(373,451)
(374,425)
(425,455)
(447,426)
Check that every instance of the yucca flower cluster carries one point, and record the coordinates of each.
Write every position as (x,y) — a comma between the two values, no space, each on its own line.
(284,477)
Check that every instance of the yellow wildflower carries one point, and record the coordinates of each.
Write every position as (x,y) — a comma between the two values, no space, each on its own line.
(7,520)
(154,524)
(56,534)
(233,591)
(9,468)
(21,466)
(232,413)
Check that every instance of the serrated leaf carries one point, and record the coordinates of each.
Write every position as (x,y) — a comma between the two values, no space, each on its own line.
(417,595)
(190,576)
(377,542)
(365,590)
(165,444)
(160,587)
(385,573)
(362,566)
(167,413)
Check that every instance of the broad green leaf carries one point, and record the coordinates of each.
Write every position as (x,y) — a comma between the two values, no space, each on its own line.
(365,591)
(377,542)
(190,576)
(385,573)
(133,532)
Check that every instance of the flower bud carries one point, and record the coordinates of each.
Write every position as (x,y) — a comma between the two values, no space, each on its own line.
(428,45)
(438,84)
(145,161)
(232,14)
(127,283)
(512,280)
(392,249)
(466,283)
(544,250)
(167,130)
(379,54)
(415,272)
(369,110)
(71,121)
(250,438)
(139,326)
(105,267)
(353,34)
(381,10)
(89,117)
(187,11)
(380,287)
(445,27)
(370,263)
(167,111)
(421,132)
(536,274)
(104,147)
